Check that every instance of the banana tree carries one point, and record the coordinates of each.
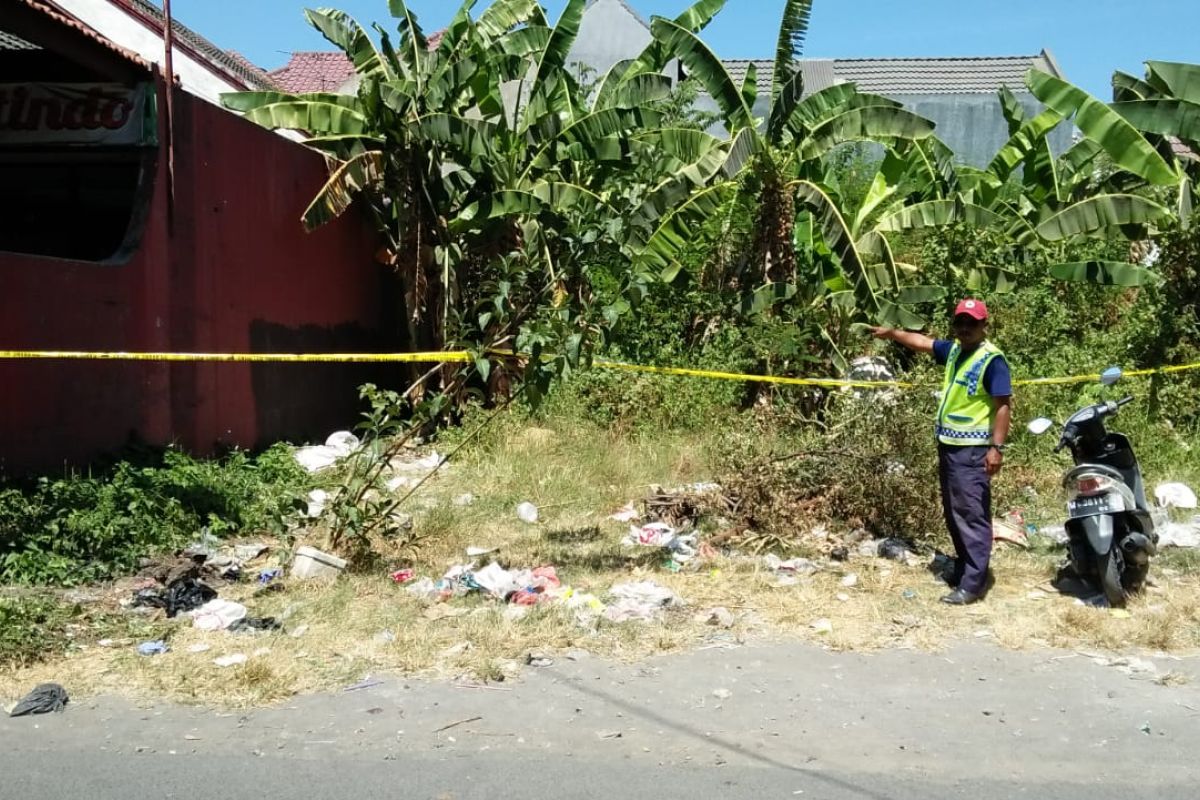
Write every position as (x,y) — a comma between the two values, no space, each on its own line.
(772,165)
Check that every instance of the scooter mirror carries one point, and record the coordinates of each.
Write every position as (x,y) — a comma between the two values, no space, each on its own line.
(1040,426)
(1111,376)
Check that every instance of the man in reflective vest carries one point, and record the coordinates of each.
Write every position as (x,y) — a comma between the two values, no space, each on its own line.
(973,419)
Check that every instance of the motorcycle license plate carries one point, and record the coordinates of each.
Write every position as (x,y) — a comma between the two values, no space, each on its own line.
(1094,506)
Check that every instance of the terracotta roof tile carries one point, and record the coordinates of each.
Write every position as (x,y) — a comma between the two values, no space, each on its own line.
(311,71)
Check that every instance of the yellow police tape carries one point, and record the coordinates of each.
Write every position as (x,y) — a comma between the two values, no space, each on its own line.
(283,358)
(462,356)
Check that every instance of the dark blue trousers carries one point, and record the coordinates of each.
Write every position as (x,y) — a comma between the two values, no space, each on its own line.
(967,504)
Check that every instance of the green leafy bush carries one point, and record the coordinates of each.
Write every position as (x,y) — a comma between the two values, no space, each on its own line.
(81,528)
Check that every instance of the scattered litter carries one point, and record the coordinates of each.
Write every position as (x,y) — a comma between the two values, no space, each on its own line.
(317,499)
(181,595)
(366,683)
(456,724)
(262,651)
(1010,530)
(1145,728)
(320,457)
(1175,495)
(217,615)
(909,594)
(299,631)
(312,563)
(155,648)
(642,601)
(682,547)
(1036,594)
(1119,613)
(822,626)
(403,575)
(199,648)
(626,513)
(722,694)
(719,617)
(609,734)
(231,661)
(843,597)
(477,552)
(794,566)
(249,552)
(850,581)
(255,624)
(44,699)
(1055,533)
(1180,534)
(840,553)
(894,549)
(984,635)
(1129,665)
(464,500)
(538,661)
(527,513)
(268,575)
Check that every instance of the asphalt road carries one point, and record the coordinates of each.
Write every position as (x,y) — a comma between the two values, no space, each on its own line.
(780,720)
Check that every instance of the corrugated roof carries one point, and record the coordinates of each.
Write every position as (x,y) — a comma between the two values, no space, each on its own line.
(10,42)
(982,75)
(237,67)
(818,73)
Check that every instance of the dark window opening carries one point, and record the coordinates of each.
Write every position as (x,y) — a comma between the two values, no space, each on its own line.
(70,205)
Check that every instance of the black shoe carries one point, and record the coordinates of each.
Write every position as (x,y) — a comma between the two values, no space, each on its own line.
(960,597)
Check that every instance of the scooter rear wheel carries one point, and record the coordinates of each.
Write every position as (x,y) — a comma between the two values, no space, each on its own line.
(1109,567)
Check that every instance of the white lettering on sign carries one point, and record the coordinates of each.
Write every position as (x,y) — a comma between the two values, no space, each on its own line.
(57,113)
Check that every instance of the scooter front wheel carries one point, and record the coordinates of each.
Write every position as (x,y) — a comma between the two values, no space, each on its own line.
(1109,566)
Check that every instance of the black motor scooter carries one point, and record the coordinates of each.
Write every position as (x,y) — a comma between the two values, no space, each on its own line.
(1110,531)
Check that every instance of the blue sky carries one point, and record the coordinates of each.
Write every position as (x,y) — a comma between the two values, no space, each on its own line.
(1090,38)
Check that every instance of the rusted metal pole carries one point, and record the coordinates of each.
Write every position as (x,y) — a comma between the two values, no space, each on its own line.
(169,67)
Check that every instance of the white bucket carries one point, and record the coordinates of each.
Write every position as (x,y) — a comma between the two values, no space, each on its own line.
(312,563)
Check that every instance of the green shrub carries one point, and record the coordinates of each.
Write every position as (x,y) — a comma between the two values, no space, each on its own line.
(31,629)
(81,528)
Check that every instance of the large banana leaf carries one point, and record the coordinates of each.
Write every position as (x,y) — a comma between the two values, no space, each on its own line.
(1099,214)
(1126,87)
(868,123)
(934,161)
(505,16)
(473,138)
(343,185)
(638,91)
(1123,143)
(591,129)
(792,30)
(1181,81)
(837,236)
(552,197)
(554,57)
(341,30)
(1014,112)
(828,103)
(300,115)
(937,214)
(1105,273)
(657,54)
(750,86)
(685,144)
(1176,118)
(246,101)
(1077,158)
(912,295)
(678,229)
(990,279)
(458,29)
(705,67)
(1028,137)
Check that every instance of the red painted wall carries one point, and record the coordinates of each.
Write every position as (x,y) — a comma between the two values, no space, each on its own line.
(236,272)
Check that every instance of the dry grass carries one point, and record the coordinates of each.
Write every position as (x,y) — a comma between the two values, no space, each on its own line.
(366,625)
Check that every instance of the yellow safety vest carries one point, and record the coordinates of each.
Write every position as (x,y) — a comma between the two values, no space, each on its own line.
(966,414)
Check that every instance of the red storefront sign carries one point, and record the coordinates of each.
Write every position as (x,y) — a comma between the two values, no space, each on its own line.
(103,114)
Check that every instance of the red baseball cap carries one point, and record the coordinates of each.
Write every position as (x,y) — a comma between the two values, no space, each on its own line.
(972,308)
